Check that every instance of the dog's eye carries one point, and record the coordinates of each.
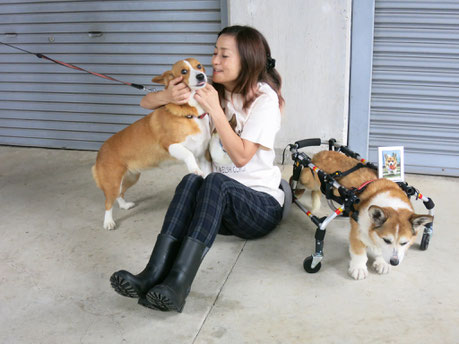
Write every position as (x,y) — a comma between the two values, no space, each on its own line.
(184,71)
(403,243)
(199,66)
(189,116)
(387,241)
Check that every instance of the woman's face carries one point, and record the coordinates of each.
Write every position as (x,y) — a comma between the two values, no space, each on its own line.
(226,62)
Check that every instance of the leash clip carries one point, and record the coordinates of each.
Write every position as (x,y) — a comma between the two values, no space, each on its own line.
(149,90)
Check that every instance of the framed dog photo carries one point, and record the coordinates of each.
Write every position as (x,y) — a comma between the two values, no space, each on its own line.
(391,163)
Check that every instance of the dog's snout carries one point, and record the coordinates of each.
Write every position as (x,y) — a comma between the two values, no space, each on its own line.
(200,77)
(394,261)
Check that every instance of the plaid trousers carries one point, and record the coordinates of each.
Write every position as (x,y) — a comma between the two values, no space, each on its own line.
(201,208)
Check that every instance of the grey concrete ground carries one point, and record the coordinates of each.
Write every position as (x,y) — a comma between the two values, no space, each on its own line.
(56,260)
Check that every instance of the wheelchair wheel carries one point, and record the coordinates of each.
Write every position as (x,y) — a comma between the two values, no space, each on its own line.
(425,241)
(307,265)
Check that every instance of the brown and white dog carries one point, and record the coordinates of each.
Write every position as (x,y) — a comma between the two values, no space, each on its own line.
(387,225)
(171,131)
(390,163)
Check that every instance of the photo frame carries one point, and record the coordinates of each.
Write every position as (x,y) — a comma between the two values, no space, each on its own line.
(391,163)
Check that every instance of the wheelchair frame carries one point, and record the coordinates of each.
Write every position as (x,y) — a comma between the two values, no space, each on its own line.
(347,198)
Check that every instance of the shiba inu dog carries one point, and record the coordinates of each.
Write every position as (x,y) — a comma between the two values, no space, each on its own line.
(386,225)
(171,131)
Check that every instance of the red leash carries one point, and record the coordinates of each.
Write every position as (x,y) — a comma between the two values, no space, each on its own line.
(68,65)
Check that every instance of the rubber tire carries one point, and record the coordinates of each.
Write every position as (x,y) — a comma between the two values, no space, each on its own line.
(425,242)
(308,263)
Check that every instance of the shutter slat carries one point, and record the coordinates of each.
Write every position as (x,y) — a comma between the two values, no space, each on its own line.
(68,107)
(50,143)
(165,62)
(110,37)
(54,134)
(69,116)
(65,51)
(90,17)
(133,27)
(62,126)
(59,6)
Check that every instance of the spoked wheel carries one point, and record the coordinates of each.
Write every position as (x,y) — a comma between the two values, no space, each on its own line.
(307,265)
(425,241)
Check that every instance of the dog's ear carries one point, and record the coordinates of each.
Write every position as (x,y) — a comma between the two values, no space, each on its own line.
(164,79)
(419,221)
(377,215)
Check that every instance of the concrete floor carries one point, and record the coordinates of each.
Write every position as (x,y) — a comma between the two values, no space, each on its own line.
(56,260)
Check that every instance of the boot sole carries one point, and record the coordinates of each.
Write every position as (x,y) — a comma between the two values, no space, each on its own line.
(144,302)
(163,300)
(123,287)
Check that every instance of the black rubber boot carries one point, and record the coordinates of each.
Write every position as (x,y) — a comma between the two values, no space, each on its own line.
(172,292)
(158,266)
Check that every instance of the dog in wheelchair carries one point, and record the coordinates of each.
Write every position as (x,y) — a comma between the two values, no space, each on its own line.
(383,222)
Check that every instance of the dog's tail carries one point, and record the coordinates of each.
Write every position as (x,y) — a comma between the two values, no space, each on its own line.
(94,175)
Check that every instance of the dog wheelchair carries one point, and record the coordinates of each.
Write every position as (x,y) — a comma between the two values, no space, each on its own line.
(347,199)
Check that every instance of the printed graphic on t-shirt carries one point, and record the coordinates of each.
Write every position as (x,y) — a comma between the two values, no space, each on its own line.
(220,157)
(229,169)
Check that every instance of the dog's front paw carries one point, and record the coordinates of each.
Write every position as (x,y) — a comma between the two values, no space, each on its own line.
(109,225)
(381,266)
(108,220)
(358,272)
(198,172)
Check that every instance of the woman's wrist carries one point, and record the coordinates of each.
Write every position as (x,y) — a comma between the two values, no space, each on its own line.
(154,100)
(217,114)
(166,96)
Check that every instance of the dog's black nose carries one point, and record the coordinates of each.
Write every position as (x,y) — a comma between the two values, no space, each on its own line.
(394,261)
(200,77)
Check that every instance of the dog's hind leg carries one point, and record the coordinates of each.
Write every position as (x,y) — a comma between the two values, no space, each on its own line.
(111,186)
(311,182)
(110,198)
(315,196)
(129,179)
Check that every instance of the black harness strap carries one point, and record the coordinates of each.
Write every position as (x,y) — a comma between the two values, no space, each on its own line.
(339,174)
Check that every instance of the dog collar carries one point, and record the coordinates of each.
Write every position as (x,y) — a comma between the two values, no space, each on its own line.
(203,115)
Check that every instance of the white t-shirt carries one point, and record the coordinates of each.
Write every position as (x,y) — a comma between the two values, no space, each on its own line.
(259,124)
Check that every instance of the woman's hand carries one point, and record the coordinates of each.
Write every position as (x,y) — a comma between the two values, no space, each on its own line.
(207,97)
(177,92)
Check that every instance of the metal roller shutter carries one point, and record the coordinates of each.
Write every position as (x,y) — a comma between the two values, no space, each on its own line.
(47,105)
(415,87)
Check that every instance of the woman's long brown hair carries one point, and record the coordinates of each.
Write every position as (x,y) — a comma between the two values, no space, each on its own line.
(254,53)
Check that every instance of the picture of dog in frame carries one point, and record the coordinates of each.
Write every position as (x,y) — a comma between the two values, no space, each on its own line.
(391,163)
